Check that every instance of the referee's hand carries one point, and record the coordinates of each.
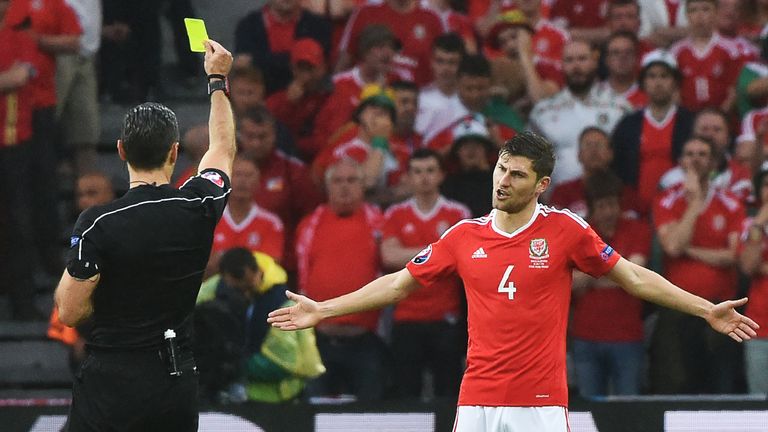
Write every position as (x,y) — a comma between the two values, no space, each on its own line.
(217,59)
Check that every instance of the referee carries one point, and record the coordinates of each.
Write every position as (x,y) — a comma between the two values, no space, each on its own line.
(135,266)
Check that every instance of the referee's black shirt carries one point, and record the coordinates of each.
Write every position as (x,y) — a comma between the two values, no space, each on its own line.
(151,247)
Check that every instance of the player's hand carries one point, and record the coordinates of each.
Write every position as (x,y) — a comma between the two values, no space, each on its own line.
(304,314)
(217,59)
(524,44)
(19,74)
(724,318)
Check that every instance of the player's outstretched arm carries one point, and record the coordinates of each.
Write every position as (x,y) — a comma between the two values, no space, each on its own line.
(221,122)
(650,286)
(306,312)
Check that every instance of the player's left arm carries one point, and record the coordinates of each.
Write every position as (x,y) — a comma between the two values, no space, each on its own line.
(73,298)
(650,286)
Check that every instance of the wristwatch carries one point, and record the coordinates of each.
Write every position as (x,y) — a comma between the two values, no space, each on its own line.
(220,84)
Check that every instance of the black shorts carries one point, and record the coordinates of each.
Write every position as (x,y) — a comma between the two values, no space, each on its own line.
(133,391)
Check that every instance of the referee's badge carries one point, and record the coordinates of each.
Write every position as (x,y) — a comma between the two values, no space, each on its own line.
(74,240)
(214,178)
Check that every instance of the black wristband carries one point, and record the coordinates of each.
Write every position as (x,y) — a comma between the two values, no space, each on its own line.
(219,76)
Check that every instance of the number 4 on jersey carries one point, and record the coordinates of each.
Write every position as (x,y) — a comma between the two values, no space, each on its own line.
(506,285)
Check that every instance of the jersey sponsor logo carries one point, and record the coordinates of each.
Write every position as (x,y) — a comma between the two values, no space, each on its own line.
(73,241)
(479,253)
(274,184)
(409,228)
(214,178)
(606,253)
(538,252)
(423,256)
(419,32)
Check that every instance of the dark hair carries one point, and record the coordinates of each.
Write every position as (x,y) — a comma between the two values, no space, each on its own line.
(713,152)
(623,34)
(235,261)
(620,3)
(600,185)
(475,65)
(248,73)
(259,115)
(404,85)
(149,131)
(592,129)
(450,42)
(425,153)
(534,147)
(687,2)
(676,74)
(373,36)
(715,111)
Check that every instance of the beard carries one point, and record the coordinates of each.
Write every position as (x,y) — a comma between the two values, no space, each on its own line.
(580,84)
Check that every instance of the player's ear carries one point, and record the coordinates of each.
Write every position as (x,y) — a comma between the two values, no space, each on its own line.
(173,154)
(543,184)
(121,150)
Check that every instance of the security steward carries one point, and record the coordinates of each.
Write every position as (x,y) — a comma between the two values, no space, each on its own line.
(135,266)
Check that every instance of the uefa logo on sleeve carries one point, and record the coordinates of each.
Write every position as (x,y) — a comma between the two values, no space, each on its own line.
(423,256)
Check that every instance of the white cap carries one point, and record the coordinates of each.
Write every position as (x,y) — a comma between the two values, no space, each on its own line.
(471,126)
(169,334)
(659,56)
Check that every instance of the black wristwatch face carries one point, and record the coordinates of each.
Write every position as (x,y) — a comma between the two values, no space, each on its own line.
(222,85)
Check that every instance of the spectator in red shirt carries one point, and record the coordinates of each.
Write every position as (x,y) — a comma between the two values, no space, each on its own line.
(298,105)
(406,98)
(646,143)
(413,25)
(520,75)
(709,63)
(753,256)
(595,157)
(18,63)
(624,15)
(456,22)
(244,223)
(584,19)
(698,228)
(621,61)
(376,49)
(548,40)
(264,39)
(427,330)
(285,187)
(609,358)
(730,20)
(346,230)
(55,28)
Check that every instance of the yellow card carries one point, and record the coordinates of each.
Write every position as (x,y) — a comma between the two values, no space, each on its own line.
(197,34)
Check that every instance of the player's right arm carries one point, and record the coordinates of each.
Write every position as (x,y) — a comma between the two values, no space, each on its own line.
(221,123)
(381,292)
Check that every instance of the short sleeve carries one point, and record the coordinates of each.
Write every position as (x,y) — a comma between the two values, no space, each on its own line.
(433,263)
(664,211)
(84,256)
(391,226)
(212,187)
(592,255)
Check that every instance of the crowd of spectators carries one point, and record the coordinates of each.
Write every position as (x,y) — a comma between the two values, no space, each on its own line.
(366,129)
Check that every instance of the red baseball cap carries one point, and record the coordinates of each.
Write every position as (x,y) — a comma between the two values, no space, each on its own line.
(307,50)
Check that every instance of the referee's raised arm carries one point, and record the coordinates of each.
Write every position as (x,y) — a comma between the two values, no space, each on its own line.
(221,123)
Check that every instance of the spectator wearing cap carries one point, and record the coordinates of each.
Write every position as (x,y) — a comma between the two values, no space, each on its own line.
(647,143)
(595,157)
(753,259)
(561,118)
(476,98)
(415,26)
(548,39)
(439,101)
(732,174)
(708,62)
(472,150)
(621,61)
(264,39)
(383,158)
(520,76)
(298,105)
(376,50)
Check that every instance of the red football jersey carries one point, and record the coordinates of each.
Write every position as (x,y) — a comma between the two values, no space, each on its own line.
(260,231)
(549,40)
(338,255)
(415,29)
(757,308)
(413,228)
(518,289)
(610,314)
(721,218)
(707,74)
(655,156)
(570,195)
(395,161)
(754,124)
(16,106)
(580,13)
